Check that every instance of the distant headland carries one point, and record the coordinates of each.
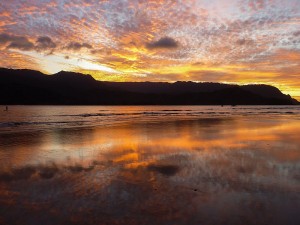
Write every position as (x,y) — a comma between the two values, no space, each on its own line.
(29,87)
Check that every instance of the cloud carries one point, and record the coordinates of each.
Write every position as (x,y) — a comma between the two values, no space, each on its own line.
(76,46)
(4,38)
(125,35)
(21,43)
(244,41)
(166,43)
(45,43)
(16,42)
(42,43)
(297,33)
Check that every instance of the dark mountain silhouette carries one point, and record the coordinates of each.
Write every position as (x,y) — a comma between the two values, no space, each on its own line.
(33,87)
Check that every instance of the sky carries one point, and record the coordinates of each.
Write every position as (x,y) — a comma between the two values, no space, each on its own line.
(232,41)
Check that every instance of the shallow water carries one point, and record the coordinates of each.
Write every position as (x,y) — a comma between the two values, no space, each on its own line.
(150,165)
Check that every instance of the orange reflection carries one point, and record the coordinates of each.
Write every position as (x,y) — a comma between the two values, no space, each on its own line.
(142,143)
(173,170)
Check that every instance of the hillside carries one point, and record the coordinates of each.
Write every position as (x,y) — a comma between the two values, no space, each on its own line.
(68,88)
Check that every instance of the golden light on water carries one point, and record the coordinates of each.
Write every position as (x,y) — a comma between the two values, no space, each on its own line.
(166,163)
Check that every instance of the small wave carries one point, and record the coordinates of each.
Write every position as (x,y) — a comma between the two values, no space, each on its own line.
(276,112)
(176,110)
(17,124)
(6,124)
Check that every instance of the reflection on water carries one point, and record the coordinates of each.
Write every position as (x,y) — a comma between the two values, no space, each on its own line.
(200,170)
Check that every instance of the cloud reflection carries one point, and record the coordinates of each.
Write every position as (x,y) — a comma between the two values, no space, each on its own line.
(215,171)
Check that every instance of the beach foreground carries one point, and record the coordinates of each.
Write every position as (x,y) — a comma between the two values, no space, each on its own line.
(150,165)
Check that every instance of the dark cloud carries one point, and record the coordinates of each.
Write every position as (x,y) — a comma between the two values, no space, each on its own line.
(244,41)
(77,46)
(21,43)
(297,33)
(4,38)
(44,43)
(16,42)
(165,42)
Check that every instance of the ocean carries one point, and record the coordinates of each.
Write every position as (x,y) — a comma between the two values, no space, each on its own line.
(150,165)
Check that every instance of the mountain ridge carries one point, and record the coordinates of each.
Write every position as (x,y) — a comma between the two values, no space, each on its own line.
(64,88)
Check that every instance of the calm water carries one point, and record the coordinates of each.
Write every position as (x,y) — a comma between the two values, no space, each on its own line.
(150,165)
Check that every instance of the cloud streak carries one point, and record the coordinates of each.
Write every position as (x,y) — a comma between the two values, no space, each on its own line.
(163,43)
(77,46)
(45,42)
(16,42)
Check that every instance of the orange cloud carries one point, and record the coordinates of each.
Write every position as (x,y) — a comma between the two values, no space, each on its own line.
(238,41)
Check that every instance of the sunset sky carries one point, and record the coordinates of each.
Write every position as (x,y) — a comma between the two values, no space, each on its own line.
(239,41)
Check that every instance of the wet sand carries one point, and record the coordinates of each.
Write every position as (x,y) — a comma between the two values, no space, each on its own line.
(223,170)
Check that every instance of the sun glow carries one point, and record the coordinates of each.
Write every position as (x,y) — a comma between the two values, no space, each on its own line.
(217,41)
